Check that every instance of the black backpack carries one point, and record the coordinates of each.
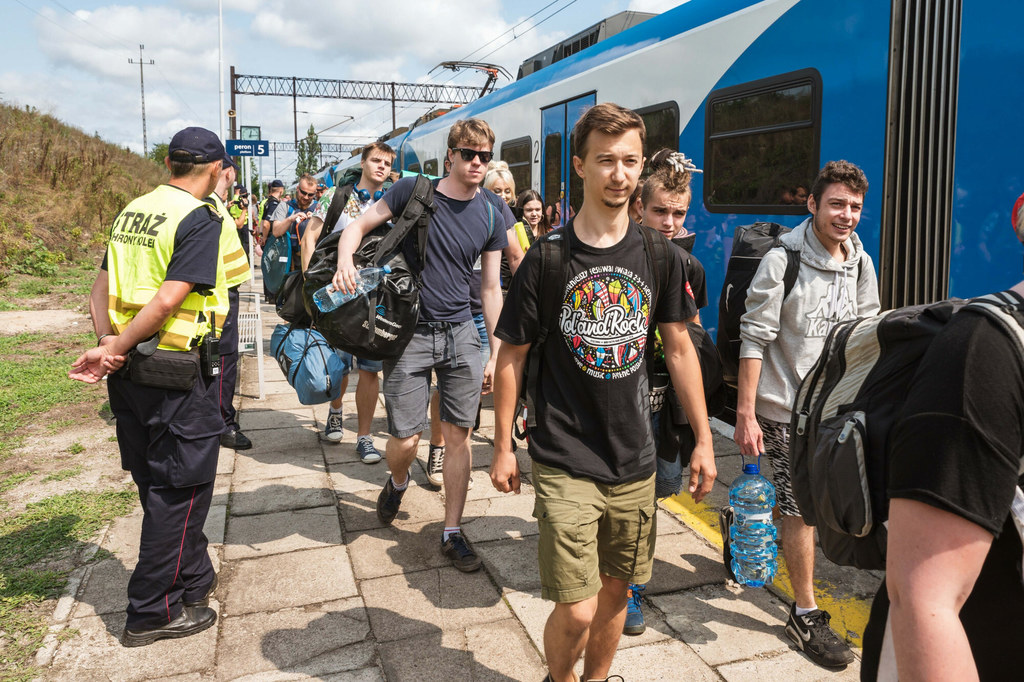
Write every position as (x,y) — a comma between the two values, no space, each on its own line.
(750,243)
(554,267)
(377,326)
(846,407)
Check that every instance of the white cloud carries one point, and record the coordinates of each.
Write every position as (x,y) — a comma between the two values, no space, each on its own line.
(657,6)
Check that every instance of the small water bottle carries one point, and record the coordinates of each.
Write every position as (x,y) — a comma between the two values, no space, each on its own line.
(752,533)
(328,298)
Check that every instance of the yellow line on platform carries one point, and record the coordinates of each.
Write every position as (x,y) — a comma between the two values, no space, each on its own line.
(849,614)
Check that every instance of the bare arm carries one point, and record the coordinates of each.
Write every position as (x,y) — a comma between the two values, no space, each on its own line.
(514,251)
(308,242)
(507,384)
(279,227)
(684,368)
(748,432)
(490,300)
(351,236)
(95,363)
(933,560)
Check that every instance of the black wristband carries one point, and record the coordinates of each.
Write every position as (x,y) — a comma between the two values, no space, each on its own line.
(103,336)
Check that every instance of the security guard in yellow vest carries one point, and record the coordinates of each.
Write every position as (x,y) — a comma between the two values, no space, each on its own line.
(232,271)
(159,269)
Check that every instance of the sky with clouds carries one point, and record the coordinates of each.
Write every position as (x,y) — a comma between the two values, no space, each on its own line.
(70,58)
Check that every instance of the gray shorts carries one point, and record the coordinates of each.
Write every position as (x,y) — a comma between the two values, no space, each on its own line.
(452,351)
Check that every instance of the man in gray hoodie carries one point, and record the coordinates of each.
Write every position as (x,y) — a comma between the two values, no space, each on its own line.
(782,336)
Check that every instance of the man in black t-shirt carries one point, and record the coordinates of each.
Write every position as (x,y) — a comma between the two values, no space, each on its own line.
(952,604)
(592,446)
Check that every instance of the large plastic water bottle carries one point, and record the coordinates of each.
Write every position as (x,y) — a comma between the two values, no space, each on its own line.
(328,298)
(752,533)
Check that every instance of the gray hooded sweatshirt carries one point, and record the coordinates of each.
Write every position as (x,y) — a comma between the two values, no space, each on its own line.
(788,335)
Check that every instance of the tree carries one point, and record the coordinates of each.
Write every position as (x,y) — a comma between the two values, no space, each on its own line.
(158,153)
(309,154)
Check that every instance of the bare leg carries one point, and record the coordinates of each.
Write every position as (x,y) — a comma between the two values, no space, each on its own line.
(336,403)
(606,628)
(367,391)
(458,460)
(798,547)
(565,636)
(400,453)
(436,432)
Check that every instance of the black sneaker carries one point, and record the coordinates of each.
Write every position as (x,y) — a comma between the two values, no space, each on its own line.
(461,554)
(389,501)
(817,639)
(192,620)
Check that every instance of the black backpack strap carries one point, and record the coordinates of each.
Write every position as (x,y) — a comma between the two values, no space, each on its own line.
(420,206)
(338,203)
(792,271)
(659,261)
(554,271)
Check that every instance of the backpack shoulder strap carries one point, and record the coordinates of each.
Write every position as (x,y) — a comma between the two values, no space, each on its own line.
(554,271)
(658,258)
(792,271)
(1007,313)
(416,213)
(338,203)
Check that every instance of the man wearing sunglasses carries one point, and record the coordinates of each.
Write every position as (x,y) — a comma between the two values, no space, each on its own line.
(295,212)
(464,226)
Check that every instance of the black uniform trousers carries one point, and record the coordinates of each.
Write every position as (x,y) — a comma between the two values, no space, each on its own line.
(169,441)
(229,363)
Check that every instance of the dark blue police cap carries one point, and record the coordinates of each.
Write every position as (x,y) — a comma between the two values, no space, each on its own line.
(197,145)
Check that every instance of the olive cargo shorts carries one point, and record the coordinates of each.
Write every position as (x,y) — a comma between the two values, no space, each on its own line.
(588,529)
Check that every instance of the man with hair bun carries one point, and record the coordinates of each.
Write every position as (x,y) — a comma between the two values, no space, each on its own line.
(782,336)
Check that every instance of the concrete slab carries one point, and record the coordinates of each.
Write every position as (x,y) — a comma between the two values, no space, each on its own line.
(288,580)
(412,604)
(497,518)
(313,641)
(683,561)
(266,534)
(278,401)
(665,661)
(359,509)
(225,461)
(373,674)
(216,520)
(263,418)
(380,552)
(503,651)
(512,563)
(123,537)
(104,590)
(434,655)
(282,464)
(352,477)
(221,489)
(280,494)
(283,440)
(791,666)
(725,624)
(96,653)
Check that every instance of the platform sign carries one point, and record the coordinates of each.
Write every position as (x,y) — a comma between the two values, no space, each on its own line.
(248,148)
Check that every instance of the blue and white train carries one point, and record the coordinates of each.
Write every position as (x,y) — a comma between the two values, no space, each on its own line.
(924,95)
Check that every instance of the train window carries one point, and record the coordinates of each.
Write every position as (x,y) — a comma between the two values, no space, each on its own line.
(413,167)
(516,153)
(575,183)
(761,149)
(430,167)
(552,169)
(662,123)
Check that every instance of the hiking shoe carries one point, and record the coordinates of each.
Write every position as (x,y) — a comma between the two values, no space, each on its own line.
(235,440)
(461,554)
(367,453)
(389,501)
(634,615)
(333,431)
(814,637)
(435,465)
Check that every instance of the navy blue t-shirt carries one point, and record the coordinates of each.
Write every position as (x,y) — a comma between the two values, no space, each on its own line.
(458,232)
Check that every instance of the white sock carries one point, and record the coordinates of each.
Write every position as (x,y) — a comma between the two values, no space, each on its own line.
(366,437)
(804,612)
(399,487)
(448,530)
(335,411)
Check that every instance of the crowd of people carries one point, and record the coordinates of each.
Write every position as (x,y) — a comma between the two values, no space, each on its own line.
(599,456)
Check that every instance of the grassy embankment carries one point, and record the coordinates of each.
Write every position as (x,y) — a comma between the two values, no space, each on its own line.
(59,190)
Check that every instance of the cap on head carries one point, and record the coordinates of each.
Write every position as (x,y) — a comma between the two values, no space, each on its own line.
(228,162)
(274,184)
(196,145)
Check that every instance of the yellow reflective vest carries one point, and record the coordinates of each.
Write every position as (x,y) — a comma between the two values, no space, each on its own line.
(232,264)
(139,252)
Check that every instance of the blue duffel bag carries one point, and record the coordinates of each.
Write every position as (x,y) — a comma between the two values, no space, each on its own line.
(311,366)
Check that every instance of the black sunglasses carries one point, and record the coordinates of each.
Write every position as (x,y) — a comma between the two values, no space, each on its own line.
(307,194)
(468,154)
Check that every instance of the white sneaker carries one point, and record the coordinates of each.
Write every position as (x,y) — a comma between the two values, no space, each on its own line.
(435,466)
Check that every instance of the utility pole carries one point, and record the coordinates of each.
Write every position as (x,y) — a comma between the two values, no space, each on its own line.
(142,87)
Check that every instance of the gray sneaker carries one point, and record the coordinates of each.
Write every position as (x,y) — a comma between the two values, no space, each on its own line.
(333,431)
(367,453)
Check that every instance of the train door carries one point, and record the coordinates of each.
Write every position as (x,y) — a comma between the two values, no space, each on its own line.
(561,187)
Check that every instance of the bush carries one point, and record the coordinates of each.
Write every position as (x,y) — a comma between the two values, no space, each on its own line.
(35,260)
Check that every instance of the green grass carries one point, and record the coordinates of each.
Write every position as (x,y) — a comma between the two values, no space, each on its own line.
(64,474)
(13,480)
(73,279)
(34,379)
(76,448)
(48,530)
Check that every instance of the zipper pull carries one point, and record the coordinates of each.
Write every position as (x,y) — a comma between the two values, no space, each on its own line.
(847,428)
